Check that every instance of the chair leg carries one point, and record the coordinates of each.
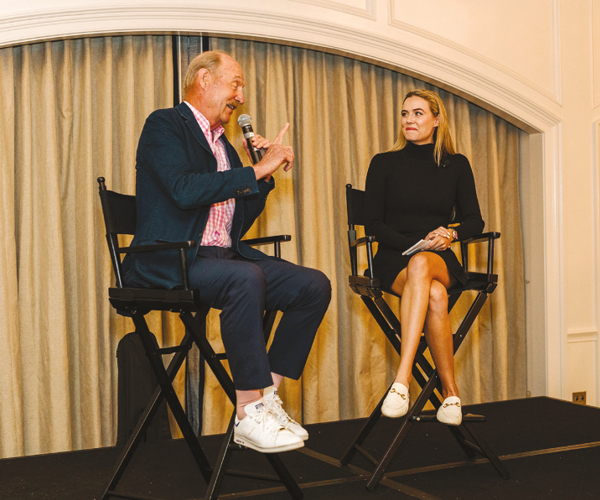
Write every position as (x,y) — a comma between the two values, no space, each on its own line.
(172,399)
(225,380)
(284,474)
(405,426)
(220,468)
(145,420)
(485,449)
(133,442)
(436,401)
(362,435)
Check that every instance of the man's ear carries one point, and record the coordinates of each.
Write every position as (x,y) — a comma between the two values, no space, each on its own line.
(203,78)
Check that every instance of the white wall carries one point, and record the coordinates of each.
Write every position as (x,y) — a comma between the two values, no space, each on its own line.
(536,63)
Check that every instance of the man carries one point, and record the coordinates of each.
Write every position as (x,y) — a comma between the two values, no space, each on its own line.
(191,185)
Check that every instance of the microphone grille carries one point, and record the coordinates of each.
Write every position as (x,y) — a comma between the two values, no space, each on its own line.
(244,120)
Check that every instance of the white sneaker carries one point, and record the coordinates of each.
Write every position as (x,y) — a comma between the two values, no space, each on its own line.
(396,402)
(450,413)
(261,431)
(275,406)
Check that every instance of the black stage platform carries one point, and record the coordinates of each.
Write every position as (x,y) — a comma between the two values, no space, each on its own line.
(551,449)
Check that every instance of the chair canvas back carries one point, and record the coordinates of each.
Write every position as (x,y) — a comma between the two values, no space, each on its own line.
(120,215)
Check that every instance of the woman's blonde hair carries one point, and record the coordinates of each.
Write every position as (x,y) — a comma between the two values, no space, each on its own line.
(442,138)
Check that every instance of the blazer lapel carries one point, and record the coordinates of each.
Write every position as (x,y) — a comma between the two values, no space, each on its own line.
(190,120)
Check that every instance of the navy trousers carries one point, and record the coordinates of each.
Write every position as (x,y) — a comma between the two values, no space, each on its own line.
(243,289)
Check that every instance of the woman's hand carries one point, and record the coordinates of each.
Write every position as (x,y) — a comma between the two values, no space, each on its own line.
(440,239)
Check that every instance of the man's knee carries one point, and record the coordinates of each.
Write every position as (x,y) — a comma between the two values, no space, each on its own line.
(319,286)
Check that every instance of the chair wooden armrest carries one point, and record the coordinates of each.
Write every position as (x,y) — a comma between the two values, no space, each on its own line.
(275,240)
(490,237)
(167,245)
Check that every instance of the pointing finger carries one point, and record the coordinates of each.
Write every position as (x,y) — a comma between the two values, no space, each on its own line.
(279,138)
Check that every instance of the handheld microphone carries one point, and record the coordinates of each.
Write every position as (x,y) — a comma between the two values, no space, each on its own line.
(245,122)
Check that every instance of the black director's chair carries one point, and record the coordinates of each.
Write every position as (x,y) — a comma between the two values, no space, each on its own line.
(120,218)
(423,372)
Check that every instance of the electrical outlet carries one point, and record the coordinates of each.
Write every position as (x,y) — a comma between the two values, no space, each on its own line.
(579,398)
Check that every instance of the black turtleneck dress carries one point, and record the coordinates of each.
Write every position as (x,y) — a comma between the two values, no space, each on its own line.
(408,196)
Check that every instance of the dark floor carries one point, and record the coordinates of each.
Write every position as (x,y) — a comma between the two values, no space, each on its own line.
(551,449)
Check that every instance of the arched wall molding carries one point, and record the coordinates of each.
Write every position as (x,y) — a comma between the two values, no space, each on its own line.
(399,46)
(555,95)
(468,73)
(367,11)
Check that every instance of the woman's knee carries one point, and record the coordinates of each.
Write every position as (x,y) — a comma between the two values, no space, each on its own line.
(419,267)
(438,297)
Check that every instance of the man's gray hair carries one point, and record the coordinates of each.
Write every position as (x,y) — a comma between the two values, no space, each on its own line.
(210,60)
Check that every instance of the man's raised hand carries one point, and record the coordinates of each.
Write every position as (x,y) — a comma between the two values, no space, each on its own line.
(277,155)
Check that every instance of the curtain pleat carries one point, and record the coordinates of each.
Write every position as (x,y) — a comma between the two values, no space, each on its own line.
(73,111)
(11,369)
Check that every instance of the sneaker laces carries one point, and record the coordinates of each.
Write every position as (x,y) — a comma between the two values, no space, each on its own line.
(275,406)
(267,421)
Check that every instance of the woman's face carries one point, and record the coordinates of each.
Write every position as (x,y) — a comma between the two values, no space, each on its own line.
(418,122)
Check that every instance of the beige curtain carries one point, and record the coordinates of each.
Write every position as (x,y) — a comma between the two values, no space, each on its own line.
(73,111)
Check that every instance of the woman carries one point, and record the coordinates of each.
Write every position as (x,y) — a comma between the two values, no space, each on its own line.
(411,193)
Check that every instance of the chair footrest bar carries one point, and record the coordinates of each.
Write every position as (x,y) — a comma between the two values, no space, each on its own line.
(171,350)
(432,418)
(469,417)
(130,496)
(253,475)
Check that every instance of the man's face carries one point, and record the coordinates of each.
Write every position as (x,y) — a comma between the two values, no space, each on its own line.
(224,92)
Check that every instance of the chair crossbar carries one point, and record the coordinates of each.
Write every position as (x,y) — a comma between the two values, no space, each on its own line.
(164,390)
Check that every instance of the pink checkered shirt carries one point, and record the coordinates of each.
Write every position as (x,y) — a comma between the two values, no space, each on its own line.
(217,232)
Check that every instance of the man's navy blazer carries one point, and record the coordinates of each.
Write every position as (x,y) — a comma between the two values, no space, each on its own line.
(176,183)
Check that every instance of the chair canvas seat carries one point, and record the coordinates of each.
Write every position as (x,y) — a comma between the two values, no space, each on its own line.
(126,300)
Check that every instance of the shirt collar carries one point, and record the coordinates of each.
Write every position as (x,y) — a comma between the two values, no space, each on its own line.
(211,135)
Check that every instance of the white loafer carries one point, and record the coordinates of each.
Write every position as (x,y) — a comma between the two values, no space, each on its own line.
(450,412)
(396,402)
